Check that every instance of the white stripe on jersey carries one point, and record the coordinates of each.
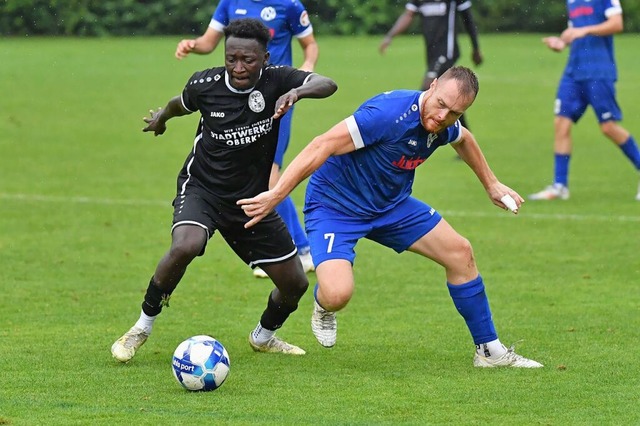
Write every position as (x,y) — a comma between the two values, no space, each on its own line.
(305,33)
(218,26)
(183,105)
(451,31)
(464,6)
(195,143)
(354,131)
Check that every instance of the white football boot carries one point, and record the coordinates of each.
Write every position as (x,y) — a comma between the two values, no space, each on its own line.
(324,325)
(125,347)
(509,359)
(557,191)
(275,345)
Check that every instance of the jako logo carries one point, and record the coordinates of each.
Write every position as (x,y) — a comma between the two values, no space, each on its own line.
(217,114)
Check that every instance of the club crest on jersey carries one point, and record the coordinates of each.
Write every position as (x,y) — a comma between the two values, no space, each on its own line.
(256,101)
(432,137)
(268,14)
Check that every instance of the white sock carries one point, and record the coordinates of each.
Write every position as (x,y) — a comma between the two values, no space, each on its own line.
(493,349)
(261,335)
(145,322)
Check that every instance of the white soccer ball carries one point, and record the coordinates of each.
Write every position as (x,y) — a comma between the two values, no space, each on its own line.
(201,363)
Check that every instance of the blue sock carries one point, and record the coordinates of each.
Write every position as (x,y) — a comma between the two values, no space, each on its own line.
(287,210)
(472,303)
(561,163)
(630,149)
(315,295)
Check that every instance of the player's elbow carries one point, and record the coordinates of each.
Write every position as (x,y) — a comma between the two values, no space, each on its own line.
(617,24)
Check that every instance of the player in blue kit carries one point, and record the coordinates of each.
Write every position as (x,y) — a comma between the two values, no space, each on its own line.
(286,19)
(589,79)
(363,170)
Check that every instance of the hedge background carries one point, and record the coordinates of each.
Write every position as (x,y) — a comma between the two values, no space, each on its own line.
(337,17)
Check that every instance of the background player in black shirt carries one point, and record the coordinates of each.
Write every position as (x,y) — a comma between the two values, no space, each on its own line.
(231,159)
(440,32)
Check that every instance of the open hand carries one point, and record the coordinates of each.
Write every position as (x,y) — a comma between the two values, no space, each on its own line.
(154,124)
(285,102)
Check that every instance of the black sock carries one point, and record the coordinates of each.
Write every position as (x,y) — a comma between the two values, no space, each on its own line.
(276,314)
(154,299)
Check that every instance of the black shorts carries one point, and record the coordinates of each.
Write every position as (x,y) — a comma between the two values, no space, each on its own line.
(266,242)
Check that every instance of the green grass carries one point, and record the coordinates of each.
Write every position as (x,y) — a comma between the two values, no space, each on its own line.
(85,207)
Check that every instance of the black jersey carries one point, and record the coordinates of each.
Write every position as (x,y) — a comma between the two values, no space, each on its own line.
(439,26)
(236,139)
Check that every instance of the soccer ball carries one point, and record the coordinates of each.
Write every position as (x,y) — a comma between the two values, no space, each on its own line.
(201,363)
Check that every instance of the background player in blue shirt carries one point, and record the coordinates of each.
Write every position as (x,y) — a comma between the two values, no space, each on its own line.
(286,19)
(361,188)
(589,79)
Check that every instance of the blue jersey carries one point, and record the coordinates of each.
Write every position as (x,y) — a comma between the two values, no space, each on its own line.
(390,143)
(284,18)
(591,57)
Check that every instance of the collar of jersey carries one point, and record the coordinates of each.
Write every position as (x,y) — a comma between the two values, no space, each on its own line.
(420,99)
(230,87)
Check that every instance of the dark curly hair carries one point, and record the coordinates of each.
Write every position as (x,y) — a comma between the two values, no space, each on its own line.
(249,28)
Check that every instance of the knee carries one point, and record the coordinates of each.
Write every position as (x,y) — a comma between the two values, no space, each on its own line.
(463,253)
(292,290)
(608,129)
(186,249)
(335,298)
(299,287)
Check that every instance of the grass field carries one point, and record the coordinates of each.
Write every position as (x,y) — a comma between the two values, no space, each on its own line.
(85,215)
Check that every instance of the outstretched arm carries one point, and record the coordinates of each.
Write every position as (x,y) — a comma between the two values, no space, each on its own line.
(317,86)
(400,26)
(472,30)
(310,52)
(613,25)
(204,44)
(469,150)
(156,123)
(336,141)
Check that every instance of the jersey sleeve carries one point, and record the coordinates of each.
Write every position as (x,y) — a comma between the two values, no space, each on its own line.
(463,5)
(289,77)
(612,7)
(298,20)
(454,132)
(190,93)
(370,124)
(220,17)
(412,6)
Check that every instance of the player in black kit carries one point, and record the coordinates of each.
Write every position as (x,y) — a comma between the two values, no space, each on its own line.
(440,32)
(240,106)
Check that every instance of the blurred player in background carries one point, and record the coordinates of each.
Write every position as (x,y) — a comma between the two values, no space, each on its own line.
(440,32)
(240,106)
(285,19)
(589,79)
(363,170)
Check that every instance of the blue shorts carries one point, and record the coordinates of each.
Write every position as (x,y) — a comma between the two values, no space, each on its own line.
(283,137)
(333,234)
(574,96)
